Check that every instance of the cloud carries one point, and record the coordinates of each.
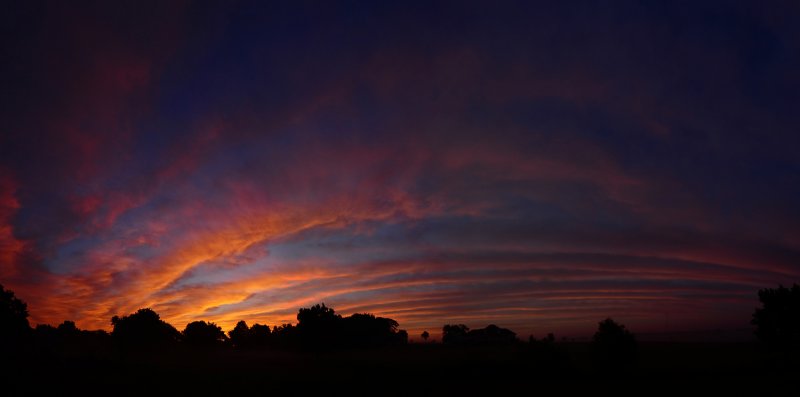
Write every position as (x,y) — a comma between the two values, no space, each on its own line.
(514,173)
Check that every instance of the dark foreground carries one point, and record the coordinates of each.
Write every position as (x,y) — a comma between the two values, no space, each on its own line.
(432,369)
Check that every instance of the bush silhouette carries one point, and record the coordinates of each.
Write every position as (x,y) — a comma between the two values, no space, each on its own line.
(425,335)
(545,355)
(285,335)
(68,328)
(778,320)
(549,339)
(143,329)
(491,335)
(615,348)
(460,334)
(201,333)
(68,340)
(14,325)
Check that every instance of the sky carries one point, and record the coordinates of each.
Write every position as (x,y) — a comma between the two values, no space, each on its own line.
(536,165)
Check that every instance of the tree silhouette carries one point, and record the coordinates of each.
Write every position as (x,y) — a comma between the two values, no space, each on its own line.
(67,327)
(454,334)
(260,335)
(318,315)
(13,318)
(243,336)
(400,338)
(425,335)
(284,335)
(201,333)
(69,340)
(240,335)
(615,347)
(367,330)
(45,330)
(143,329)
(778,320)
(318,326)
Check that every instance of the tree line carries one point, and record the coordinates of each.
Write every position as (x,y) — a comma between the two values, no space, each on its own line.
(319,327)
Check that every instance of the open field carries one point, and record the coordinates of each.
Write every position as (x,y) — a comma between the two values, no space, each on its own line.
(663,369)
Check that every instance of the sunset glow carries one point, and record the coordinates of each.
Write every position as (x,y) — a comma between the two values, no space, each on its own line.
(428,164)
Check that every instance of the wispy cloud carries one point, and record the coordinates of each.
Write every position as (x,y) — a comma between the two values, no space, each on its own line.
(506,173)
